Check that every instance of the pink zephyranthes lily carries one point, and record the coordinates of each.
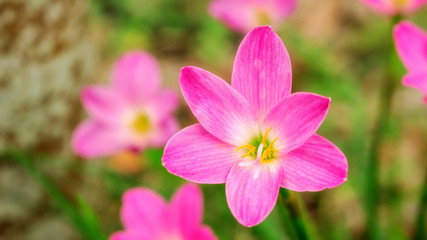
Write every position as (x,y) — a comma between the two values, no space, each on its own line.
(243,15)
(254,135)
(395,7)
(146,216)
(132,113)
(411,45)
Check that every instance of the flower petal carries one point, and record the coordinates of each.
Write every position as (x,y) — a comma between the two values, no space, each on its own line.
(103,104)
(220,109)
(143,210)
(92,139)
(162,104)
(136,75)
(411,45)
(132,235)
(244,15)
(165,130)
(186,210)
(236,14)
(417,81)
(262,70)
(414,5)
(316,165)
(296,118)
(204,233)
(196,155)
(381,6)
(252,191)
(282,9)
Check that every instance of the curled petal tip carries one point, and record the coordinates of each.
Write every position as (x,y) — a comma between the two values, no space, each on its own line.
(187,70)
(328,100)
(187,67)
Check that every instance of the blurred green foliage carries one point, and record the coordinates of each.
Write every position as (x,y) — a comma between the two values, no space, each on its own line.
(183,30)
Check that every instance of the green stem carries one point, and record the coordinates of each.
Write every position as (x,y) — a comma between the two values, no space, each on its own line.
(420,223)
(292,215)
(84,221)
(372,193)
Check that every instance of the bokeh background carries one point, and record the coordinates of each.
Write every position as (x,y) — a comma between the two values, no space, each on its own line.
(50,49)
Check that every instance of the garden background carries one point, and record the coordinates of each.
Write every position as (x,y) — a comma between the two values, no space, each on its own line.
(50,49)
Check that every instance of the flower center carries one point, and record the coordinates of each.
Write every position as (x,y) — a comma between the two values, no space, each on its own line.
(398,3)
(261,153)
(141,124)
(262,17)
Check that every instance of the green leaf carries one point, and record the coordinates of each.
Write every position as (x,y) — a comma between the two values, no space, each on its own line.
(89,216)
(65,205)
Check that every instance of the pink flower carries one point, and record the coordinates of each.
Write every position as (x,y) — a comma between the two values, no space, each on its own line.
(395,7)
(254,136)
(146,216)
(243,15)
(411,44)
(132,113)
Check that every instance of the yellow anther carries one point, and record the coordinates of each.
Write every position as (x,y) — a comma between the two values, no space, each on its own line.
(263,154)
(244,146)
(267,153)
(272,142)
(141,124)
(269,149)
(265,136)
(250,151)
(399,3)
(263,18)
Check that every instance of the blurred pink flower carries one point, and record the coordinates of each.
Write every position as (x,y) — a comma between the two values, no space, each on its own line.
(243,15)
(146,216)
(132,113)
(395,7)
(411,44)
(254,135)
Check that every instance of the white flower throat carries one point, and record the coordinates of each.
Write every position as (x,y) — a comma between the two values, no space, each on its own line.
(262,151)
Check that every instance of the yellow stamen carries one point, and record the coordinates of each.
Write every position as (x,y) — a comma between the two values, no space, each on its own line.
(262,154)
(263,17)
(244,146)
(141,124)
(250,151)
(270,150)
(399,3)
(265,135)
(273,142)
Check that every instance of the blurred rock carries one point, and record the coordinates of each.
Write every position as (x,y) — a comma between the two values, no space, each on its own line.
(45,58)
(19,193)
(51,227)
